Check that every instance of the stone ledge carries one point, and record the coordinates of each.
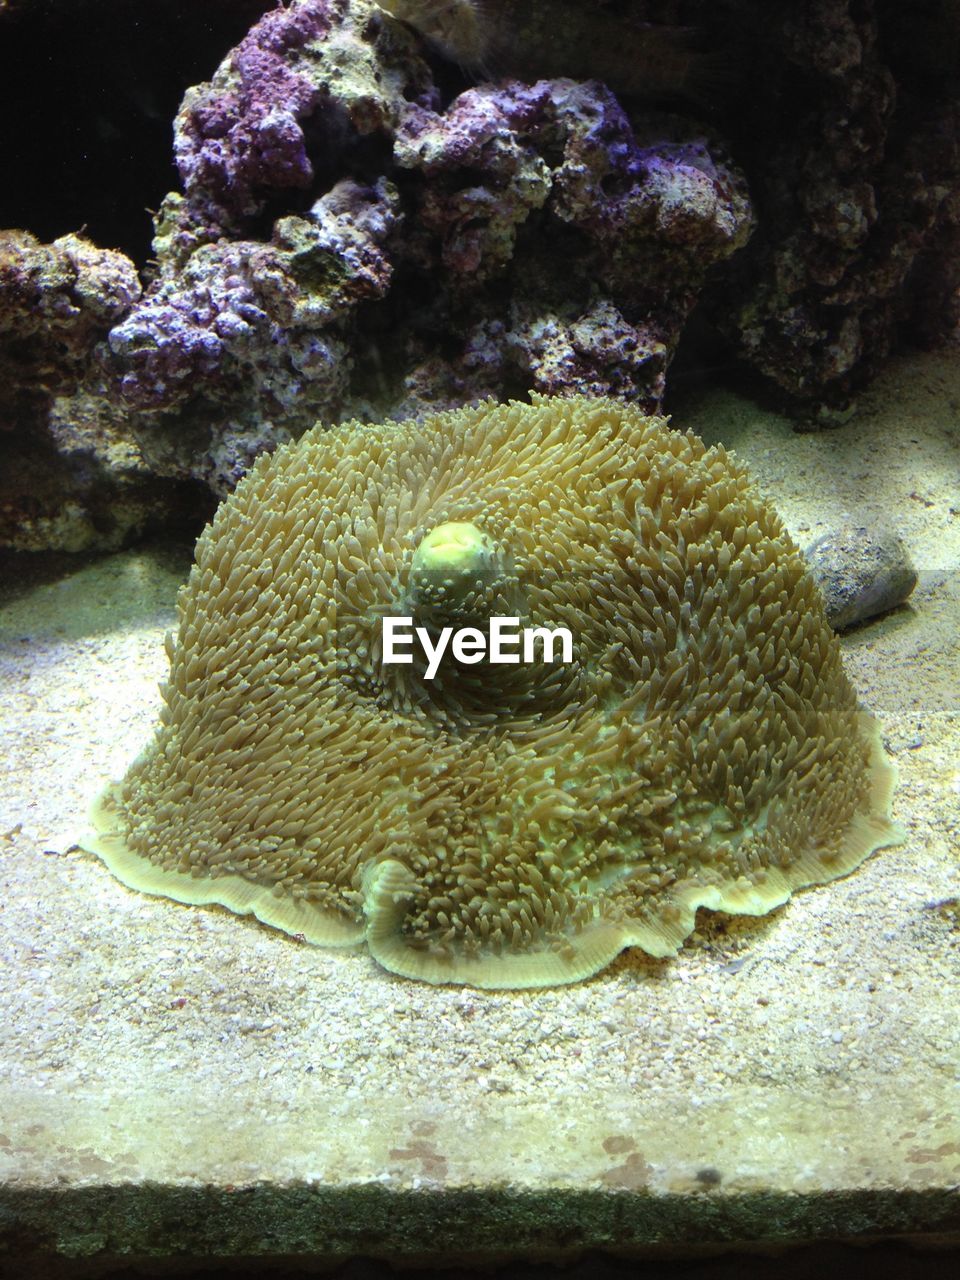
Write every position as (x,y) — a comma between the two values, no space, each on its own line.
(171,1174)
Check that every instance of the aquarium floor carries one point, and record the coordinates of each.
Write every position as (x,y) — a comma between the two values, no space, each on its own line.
(179,1082)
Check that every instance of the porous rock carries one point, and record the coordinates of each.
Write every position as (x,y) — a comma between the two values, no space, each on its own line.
(521,235)
(364,229)
(851,137)
(248,342)
(71,475)
(56,302)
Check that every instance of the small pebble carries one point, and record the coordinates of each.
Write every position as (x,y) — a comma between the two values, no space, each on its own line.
(862,572)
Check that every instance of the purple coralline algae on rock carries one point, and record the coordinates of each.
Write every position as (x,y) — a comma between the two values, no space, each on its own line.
(365,228)
(56,302)
(242,135)
(70,477)
(419,255)
(249,341)
(594,240)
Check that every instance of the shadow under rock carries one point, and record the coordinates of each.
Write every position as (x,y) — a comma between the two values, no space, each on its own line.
(57,596)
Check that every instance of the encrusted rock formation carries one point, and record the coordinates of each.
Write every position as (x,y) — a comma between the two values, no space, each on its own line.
(366,229)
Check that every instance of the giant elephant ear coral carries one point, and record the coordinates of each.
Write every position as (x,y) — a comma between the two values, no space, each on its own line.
(508,825)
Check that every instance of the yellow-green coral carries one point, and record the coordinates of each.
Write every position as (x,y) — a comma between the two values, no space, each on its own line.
(503,826)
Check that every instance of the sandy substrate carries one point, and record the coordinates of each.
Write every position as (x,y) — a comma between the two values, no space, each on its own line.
(145,1043)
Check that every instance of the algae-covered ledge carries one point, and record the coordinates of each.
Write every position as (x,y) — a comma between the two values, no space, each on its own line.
(331,1179)
(109,1226)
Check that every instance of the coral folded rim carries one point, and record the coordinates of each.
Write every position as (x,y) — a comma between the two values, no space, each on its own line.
(387,885)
